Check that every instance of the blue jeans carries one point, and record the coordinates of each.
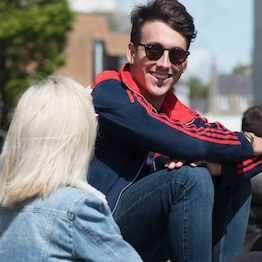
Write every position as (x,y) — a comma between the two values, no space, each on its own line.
(169,215)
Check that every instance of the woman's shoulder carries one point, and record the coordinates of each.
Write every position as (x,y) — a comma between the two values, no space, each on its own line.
(67,199)
(79,204)
(72,196)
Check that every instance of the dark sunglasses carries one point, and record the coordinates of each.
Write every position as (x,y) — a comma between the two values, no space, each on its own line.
(154,51)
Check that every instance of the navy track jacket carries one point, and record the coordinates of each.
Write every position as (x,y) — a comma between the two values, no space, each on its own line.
(130,129)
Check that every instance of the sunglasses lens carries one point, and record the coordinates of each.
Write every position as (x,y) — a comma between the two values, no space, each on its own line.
(177,56)
(154,52)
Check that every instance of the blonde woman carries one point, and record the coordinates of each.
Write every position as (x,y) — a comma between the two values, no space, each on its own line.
(48,211)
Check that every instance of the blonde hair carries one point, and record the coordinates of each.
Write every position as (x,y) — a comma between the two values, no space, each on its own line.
(50,141)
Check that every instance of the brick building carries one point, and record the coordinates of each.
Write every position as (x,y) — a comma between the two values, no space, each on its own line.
(92,48)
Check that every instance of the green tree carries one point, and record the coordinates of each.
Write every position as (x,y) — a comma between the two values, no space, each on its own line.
(197,88)
(242,69)
(32,38)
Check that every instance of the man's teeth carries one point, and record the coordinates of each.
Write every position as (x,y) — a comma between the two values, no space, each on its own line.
(160,76)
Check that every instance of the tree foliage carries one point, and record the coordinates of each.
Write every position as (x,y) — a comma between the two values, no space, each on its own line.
(197,88)
(242,69)
(32,38)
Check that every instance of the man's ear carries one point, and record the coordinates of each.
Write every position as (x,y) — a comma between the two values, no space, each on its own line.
(184,65)
(131,50)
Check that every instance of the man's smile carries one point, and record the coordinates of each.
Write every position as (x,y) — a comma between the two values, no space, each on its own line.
(160,76)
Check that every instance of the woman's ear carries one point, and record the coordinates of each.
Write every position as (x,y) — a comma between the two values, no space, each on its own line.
(131,50)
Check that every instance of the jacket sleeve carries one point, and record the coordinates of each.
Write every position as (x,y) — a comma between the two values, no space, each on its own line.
(96,236)
(237,171)
(247,168)
(129,117)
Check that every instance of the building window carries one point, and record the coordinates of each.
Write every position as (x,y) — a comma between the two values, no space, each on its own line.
(121,60)
(224,102)
(243,102)
(98,57)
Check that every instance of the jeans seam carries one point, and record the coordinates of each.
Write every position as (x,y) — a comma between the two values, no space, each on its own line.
(185,229)
(159,187)
(223,239)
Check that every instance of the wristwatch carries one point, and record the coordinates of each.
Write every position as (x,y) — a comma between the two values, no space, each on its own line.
(249,137)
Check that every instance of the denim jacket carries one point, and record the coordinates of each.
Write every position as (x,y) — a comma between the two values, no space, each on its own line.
(69,225)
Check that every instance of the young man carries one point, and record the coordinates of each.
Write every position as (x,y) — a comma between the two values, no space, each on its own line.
(177,185)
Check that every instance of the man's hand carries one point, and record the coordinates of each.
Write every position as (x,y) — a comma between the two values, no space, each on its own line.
(172,163)
(257,144)
(214,169)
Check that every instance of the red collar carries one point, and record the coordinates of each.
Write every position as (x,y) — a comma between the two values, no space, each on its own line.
(171,106)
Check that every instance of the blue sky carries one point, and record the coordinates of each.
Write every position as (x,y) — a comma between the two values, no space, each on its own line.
(225,34)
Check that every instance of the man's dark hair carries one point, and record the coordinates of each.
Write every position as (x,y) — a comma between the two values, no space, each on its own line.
(252,120)
(171,12)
